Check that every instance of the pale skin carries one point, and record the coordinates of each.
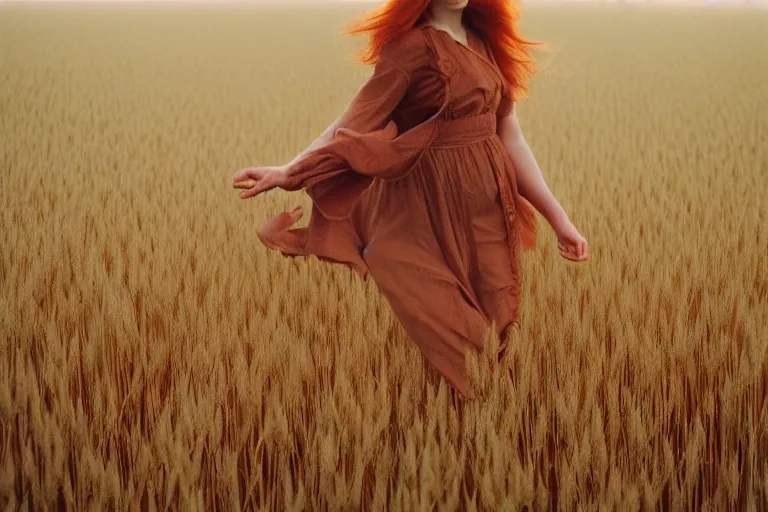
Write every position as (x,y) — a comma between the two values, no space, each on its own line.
(447,15)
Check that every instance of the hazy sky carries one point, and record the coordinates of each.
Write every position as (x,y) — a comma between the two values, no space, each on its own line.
(734,2)
(347,1)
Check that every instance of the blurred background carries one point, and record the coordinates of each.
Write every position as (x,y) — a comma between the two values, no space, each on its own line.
(154,353)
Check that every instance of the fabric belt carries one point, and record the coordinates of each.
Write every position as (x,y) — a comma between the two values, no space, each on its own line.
(465,130)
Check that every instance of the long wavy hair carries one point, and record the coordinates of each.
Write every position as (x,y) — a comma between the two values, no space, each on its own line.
(495,20)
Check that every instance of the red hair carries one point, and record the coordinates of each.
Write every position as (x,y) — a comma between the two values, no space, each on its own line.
(494,20)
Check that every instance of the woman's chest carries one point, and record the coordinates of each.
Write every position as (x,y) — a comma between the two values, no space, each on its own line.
(465,80)
(475,85)
(451,80)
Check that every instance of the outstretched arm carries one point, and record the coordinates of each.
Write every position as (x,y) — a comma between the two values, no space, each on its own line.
(531,185)
(369,111)
(246,178)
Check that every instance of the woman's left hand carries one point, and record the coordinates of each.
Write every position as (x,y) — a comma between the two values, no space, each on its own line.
(571,244)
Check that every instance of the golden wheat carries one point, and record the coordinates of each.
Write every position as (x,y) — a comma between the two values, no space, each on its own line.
(154,354)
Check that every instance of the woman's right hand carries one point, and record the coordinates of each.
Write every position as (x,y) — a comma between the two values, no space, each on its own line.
(259,179)
(570,243)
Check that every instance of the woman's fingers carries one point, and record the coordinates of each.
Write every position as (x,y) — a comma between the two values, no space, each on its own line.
(252,180)
(578,251)
(296,214)
(268,182)
(573,252)
(241,175)
(249,173)
(245,184)
(254,191)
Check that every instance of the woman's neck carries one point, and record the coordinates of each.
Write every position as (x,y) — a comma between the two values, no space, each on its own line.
(447,19)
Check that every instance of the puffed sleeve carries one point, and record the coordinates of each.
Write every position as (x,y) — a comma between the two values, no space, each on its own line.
(374,103)
(368,143)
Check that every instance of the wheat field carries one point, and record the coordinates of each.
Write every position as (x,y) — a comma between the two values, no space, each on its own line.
(155,355)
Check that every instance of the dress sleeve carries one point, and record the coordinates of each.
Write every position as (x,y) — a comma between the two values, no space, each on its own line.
(368,113)
(377,99)
(367,144)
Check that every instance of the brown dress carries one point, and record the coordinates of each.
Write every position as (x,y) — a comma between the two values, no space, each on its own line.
(417,189)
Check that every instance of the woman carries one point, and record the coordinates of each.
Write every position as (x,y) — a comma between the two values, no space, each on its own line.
(421,181)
